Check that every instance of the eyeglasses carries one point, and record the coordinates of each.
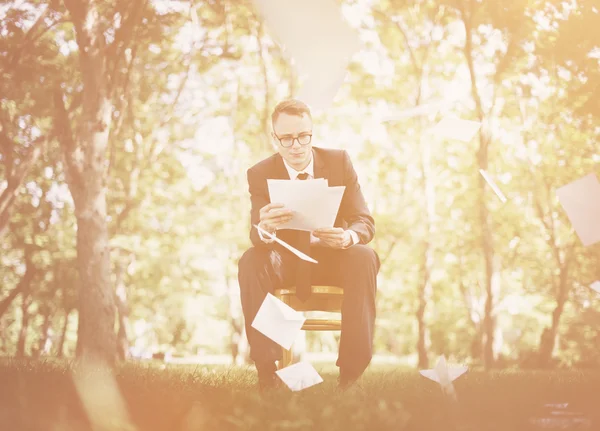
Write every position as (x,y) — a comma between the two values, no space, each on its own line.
(288,141)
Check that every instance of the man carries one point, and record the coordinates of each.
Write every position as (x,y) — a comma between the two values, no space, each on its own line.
(344,259)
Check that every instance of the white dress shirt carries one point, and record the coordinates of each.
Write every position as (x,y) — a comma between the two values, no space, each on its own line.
(293,173)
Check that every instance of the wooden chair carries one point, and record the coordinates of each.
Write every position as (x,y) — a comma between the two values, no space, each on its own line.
(323,298)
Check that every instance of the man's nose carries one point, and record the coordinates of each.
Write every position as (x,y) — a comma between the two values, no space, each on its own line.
(296,143)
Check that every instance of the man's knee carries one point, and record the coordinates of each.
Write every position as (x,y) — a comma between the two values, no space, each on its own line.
(361,255)
(256,259)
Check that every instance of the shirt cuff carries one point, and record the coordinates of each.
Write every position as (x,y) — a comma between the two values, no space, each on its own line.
(264,239)
(354,236)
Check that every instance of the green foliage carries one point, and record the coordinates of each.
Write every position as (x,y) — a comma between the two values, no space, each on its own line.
(190,114)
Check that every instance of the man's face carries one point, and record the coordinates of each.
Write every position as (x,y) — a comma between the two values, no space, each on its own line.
(286,128)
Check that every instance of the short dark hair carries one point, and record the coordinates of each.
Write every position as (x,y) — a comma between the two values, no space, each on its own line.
(290,107)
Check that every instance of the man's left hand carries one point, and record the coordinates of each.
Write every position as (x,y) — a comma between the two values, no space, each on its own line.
(334,237)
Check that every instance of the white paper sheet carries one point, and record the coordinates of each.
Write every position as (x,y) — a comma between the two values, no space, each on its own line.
(444,375)
(286,245)
(314,205)
(493,185)
(316,36)
(428,109)
(595,286)
(581,201)
(455,128)
(278,321)
(299,376)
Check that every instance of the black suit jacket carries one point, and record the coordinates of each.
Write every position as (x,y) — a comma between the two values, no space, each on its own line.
(336,167)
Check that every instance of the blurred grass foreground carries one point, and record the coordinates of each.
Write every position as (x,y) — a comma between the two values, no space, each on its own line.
(50,395)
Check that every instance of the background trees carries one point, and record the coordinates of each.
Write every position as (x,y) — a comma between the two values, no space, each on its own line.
(126,130)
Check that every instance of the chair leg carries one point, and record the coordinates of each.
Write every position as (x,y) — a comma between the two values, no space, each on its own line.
(286,358)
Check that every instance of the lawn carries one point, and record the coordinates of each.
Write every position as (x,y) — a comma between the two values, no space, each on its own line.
(38,395)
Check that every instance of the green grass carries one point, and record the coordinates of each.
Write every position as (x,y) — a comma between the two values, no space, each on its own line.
(42,396)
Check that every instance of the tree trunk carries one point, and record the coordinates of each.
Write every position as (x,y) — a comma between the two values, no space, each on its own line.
(123,311)
(424,289)
(548,337)
(15,178)
(11,297)
(42,347)
(236,335)
(487,246)
(85,158)
(63,335)
(22,341)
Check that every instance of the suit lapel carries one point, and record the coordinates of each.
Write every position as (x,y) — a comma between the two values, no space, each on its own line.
(320,168)
(280,172)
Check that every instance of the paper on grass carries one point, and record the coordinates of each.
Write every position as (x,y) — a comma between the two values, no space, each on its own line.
(315,35)
(299,376)
(581,201)
(444,375)
(278,321)
(286,245)
(595,286)
(314,205)
(455,128)
(493,185)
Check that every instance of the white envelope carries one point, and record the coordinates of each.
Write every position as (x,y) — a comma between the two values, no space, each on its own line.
(581,201)
(444,375)
(316,36)
(455,128)
(299,376)
(278,321)
(595,286)
(493,185)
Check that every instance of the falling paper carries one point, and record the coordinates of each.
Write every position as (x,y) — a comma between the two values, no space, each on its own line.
(428,109)
(315,34)
(286,245)
(299,376)
(493,185)
(581,201)
(595,286)
(278,321)
(455,128)
(444,375)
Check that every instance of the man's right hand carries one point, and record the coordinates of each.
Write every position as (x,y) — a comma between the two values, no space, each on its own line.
(273,215)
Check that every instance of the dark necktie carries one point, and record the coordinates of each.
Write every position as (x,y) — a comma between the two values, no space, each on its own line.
(303,268)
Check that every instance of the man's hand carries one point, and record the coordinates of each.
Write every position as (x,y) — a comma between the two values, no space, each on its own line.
(334,237)
(272,216)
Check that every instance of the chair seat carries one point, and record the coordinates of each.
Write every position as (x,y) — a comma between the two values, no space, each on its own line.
(322,298)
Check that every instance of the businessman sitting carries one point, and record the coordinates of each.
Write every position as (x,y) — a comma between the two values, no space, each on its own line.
(344,259)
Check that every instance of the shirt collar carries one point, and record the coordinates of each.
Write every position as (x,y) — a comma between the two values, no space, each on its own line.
(310,170)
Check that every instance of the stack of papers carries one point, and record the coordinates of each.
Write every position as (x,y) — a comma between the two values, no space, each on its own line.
(314,204)
(581,201)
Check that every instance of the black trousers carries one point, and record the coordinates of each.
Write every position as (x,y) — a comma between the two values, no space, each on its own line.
(262,270)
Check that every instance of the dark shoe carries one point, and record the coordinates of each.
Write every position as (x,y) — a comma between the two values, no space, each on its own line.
(347,380)
(267,379)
